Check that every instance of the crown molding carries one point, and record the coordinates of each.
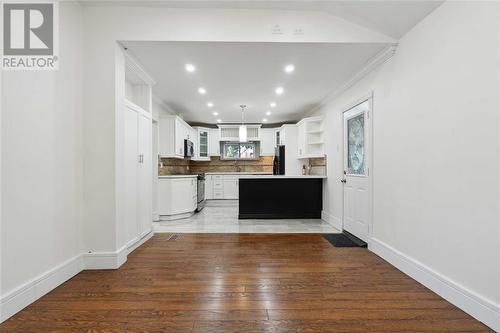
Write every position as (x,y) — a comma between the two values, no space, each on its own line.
(372,64)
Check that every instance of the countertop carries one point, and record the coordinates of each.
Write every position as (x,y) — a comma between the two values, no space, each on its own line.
(286,176)
(177,176)
(239,173)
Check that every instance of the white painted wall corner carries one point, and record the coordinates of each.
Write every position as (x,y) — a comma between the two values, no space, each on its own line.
(482,309)
(334,221)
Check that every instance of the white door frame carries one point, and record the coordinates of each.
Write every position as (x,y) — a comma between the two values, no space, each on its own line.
(367,97)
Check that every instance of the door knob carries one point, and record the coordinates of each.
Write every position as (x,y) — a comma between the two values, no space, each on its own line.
(343,180)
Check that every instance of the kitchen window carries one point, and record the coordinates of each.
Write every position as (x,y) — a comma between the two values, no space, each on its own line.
(239,151)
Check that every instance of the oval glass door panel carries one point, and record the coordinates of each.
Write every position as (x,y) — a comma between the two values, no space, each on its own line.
(356,145)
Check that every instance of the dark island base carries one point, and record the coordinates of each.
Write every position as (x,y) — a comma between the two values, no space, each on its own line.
(280,198)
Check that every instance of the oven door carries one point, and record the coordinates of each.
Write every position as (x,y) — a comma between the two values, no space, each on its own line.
(201,194)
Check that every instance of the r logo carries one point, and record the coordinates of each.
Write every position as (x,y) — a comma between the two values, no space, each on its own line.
(28,29)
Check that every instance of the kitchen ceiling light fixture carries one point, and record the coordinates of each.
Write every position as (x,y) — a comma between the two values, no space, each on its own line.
(202,90)
(279,91)
(190,68)
(243,129)
(289,68)
(268,113)
(210,104)
(264,120)
(272,104)
(215,113)
(219,120)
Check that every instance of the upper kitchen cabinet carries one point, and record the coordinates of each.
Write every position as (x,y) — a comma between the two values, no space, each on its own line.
(214,142)
(310,141)
(173,132)
(201,144)
(267,141)
(232,132)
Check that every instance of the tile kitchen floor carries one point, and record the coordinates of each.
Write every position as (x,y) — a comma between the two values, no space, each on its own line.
(221,216)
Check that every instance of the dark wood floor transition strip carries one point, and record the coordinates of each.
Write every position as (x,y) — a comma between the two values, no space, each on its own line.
(243,283)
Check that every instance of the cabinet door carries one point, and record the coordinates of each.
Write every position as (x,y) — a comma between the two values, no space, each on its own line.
(214,142)
(209,187)
(267,142)
(301,140)
(131,175)
(230,187)
(180,135)
(203,143)
(145,174)
(176,195)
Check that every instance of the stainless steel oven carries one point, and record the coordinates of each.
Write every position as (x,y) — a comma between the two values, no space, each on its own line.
(201,192)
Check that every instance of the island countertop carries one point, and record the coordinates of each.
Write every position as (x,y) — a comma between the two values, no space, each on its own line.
(286,176)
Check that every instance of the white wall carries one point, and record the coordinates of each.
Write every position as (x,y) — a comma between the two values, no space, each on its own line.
(42,162)
(436,146)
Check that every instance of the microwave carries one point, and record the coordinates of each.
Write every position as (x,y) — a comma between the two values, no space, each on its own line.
(188,148)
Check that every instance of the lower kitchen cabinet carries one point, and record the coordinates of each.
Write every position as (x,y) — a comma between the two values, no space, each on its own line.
(230,187)
(177,196)
(221,186)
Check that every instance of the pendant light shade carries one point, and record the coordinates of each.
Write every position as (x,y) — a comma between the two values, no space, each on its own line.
(243,128)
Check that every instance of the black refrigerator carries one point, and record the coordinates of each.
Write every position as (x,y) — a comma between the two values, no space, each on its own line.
(279,160)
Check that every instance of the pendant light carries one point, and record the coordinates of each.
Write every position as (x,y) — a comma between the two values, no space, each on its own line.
(243,127)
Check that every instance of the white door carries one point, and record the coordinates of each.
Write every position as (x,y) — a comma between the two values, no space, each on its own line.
(132,159)
(357,184)
(145,169)
(154,161)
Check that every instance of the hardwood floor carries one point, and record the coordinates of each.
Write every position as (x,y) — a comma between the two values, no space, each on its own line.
(243,283)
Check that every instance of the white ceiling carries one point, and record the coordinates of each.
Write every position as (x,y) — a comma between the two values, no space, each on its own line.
(393,18)
(248,73)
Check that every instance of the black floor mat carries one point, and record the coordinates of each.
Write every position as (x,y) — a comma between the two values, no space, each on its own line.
(344,239)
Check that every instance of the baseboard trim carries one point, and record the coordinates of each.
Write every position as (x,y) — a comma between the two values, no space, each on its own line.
(131,246)
(477,306)
(19,298)
(331,220)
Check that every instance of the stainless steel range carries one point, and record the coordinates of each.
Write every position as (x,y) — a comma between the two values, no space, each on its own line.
(201,192)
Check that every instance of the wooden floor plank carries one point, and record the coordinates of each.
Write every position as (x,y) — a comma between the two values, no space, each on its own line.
(243,283)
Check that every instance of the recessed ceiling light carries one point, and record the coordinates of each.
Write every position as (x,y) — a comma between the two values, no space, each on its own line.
(202,90)
(190,68)
(279,90)
(289,68)
(272,104)
(264,120)
(215,113)
(268,113)
(219,120)
(210,104)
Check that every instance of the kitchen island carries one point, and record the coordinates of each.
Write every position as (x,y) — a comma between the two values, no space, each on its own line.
(280,197)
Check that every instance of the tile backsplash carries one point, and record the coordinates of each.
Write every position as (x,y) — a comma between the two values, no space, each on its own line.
(169,166)
(175,166)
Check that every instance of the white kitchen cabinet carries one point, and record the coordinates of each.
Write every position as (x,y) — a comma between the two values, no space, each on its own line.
(214,142)
(137,187)
(220,186)
(267,141)
(201,144)
(310,138)
(231,132)
(231,187)
(177,197)
(173,131)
